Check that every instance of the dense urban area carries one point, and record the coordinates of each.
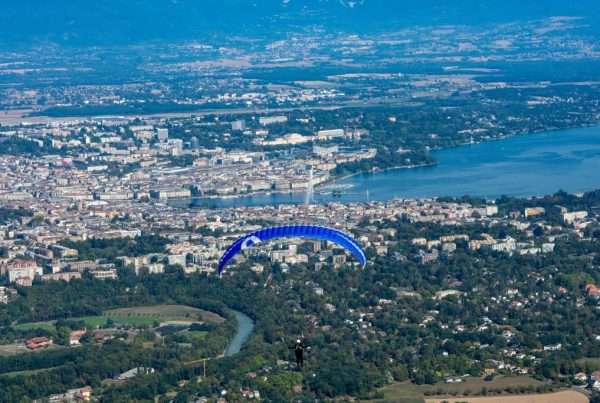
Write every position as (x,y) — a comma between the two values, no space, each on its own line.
(114,161)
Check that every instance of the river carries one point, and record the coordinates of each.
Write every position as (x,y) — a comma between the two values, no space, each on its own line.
(245,327)
(526,165)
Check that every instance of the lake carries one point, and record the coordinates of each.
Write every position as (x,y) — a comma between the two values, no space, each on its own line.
(526,165)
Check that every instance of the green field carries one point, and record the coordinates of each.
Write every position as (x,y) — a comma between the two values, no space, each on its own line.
(7,350)
(49,326)
(593,364)
(196,335)
(93,322)
(407,392)
(169,313)
(97,321)
(137,317)
(29,372)
(402,392)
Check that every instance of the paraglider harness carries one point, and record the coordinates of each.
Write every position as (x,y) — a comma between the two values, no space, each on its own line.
(299,348)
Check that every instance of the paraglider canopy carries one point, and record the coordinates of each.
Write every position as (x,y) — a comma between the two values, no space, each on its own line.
(293,231)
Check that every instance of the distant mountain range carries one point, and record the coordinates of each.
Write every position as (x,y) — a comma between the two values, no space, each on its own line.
(101,22)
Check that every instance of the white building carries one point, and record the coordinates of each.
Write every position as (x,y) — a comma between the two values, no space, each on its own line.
(270,120)
(162,134)
(570,218)
(20,269)
(238,125)
(110,274)
(171,193)
(330,134)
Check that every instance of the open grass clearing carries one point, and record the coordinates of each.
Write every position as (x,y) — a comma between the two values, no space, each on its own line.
(7,350)
(409,392)
(27,372)
(137,316)
(402,392)
(567,396)
(593,364)
(93,322)
(181,313)
(48,325)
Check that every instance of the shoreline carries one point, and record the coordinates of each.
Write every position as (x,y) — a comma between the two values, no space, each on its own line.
(320,186)
(335,180)
(379,170)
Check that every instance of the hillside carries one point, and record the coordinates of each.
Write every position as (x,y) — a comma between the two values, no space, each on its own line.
(101,22)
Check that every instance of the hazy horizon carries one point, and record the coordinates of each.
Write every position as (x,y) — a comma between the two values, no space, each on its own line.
(118,22)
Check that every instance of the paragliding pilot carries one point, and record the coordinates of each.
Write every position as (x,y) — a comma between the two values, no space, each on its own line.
(299,348)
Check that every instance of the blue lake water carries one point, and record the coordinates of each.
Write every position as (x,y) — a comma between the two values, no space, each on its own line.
(526,165)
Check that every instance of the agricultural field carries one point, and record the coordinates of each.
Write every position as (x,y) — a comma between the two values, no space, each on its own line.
(7,350)
(49,326)
(592,364)
(29,372)
(408,393)
(12,349)
(402,392)
(168,313)
(145,316)
(567,396)
(93,322)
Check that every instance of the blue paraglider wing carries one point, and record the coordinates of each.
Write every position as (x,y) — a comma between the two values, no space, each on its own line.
(293,231)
